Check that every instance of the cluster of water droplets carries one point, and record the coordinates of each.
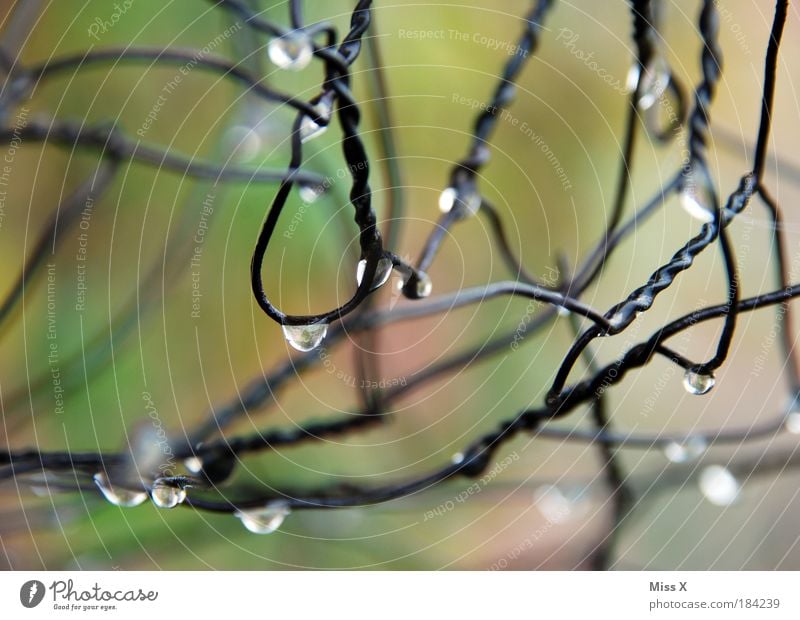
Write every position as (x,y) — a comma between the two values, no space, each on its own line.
(264,520)
(293,50)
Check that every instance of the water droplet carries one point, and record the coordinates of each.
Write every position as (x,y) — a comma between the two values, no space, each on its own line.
(424,284)
(310,193)
(697,194)
(166,494)
(698,383)
(309,128)
(719,485)
(689,450)
(194,464)
(792,423)
(457,458)
(118,495)
(264,520)
(292,50)
(468,200)
(654,81)
(552,503)
(562,311)
(243,141)
(305,337)
(382,272)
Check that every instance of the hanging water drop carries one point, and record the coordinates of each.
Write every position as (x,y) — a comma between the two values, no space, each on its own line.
(382,272)
(468,200)
(654,81)
(424,284)
(562,311)
(309,128)
(719,485)
(457,458)
(697,194)
(698,383)
(117,495)
(689,450)
(305,337)
(166,494)
(264,520)
(309,193)
(292,50)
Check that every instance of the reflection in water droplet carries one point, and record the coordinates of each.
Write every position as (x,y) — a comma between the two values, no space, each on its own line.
(552,503)
(264,520)
(382,273)
(457,458)
(689,450)
(166,494)
(305,337)
(719,485)
(468,200)
(117,495)
(697,383)
(292,50)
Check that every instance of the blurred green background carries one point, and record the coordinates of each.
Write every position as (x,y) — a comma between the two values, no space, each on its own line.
(137,333)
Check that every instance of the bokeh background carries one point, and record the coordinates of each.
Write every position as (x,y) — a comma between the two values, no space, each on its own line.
(137,334)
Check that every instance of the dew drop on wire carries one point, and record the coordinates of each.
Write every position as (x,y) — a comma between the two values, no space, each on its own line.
(683,452)
(382,272)
(309,192)
(698,383)
(468,201)
(117,495)
(654,81)
(718,485)
(305,337)
(309,128)
(167,495)
(264,520)
(292,50)
(697,194)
